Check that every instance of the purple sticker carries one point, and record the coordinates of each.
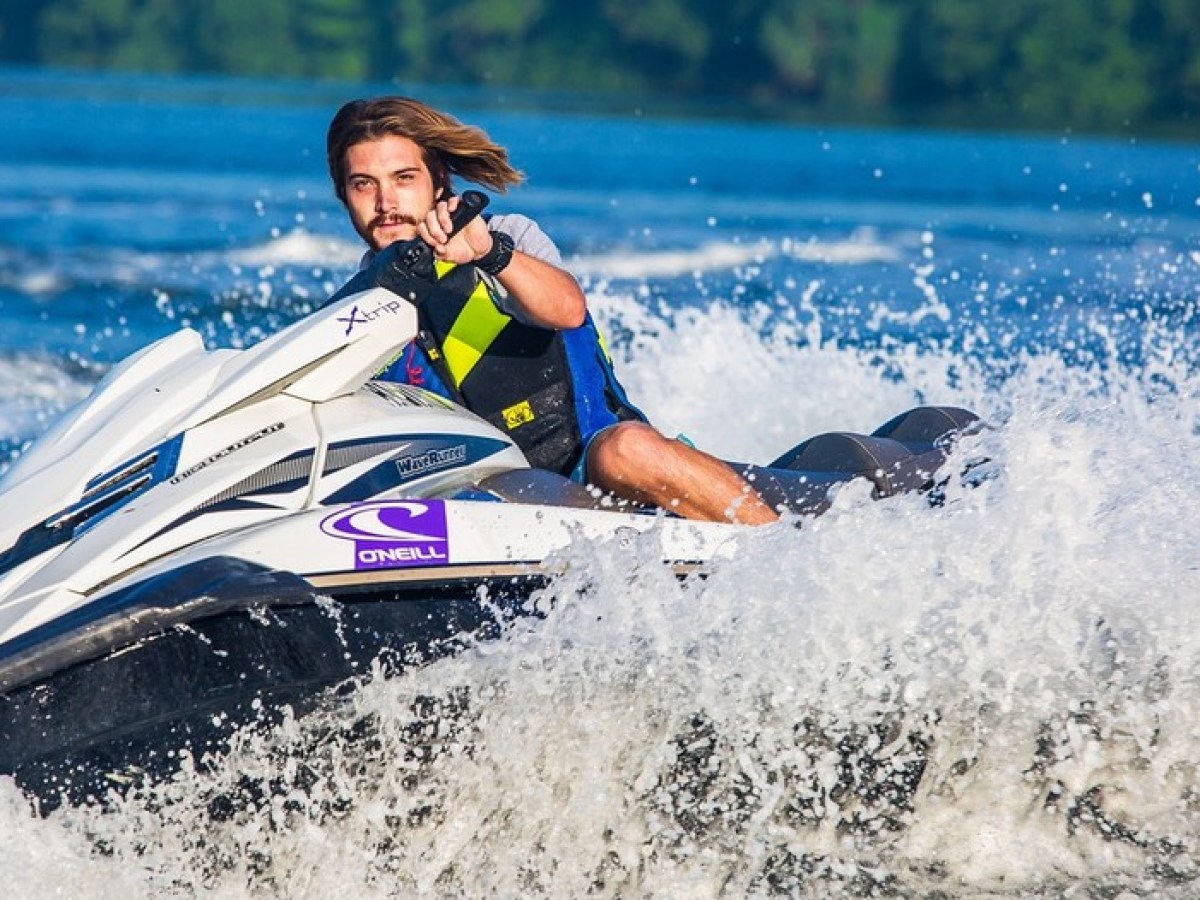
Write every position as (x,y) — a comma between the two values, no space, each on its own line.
(393,534)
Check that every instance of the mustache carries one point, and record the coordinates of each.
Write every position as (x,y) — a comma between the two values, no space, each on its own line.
(393,219)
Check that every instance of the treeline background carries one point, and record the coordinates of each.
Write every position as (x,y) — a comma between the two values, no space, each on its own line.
(1098,65)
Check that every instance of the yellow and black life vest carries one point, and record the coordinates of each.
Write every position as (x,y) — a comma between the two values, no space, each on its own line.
(549,390)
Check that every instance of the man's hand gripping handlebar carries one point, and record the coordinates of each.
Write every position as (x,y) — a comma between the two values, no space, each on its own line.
(405,260)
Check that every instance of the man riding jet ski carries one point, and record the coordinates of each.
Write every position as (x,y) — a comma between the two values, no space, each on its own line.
(213,535)
(511,338)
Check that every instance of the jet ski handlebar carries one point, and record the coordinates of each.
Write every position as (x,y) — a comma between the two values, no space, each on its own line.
(405,260)
(406,267)
(470,204)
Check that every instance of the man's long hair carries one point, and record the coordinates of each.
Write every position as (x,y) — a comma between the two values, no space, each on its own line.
(447,145)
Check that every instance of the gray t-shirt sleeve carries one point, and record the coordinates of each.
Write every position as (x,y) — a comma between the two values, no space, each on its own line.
(529,239)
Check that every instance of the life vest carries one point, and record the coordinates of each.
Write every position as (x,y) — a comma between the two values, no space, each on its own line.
(549,390)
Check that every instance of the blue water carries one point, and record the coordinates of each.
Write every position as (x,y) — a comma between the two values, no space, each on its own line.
(758,283)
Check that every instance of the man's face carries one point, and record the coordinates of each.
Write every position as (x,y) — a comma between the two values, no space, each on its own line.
(388,189)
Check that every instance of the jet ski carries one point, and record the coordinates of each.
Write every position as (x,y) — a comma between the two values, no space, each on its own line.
(213,535)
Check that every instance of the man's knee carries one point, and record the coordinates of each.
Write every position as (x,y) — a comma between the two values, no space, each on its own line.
(625,447)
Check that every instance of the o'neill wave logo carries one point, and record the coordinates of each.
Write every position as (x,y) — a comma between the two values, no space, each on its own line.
(393,534)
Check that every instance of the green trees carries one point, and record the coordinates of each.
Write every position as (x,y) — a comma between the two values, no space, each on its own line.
(1071,63)
(1089,65)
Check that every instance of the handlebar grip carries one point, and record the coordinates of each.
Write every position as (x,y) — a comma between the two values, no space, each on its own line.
(470,204)
(396,266)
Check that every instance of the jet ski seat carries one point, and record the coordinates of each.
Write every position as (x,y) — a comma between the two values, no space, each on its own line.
(537,486)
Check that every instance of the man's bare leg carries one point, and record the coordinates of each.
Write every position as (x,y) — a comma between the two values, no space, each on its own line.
(633,460)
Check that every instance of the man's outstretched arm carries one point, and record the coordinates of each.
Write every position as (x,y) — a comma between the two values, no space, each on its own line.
(547,296)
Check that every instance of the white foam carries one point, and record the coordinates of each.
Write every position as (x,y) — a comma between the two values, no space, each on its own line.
(37,284)
(300,248)
(860,249)
(34,391)
(657,738)
(863,247)
(748,384)
(44,860)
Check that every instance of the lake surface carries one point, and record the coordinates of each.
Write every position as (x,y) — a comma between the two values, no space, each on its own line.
(1000,697)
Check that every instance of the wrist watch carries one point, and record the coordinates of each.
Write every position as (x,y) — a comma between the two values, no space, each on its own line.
(494,261)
